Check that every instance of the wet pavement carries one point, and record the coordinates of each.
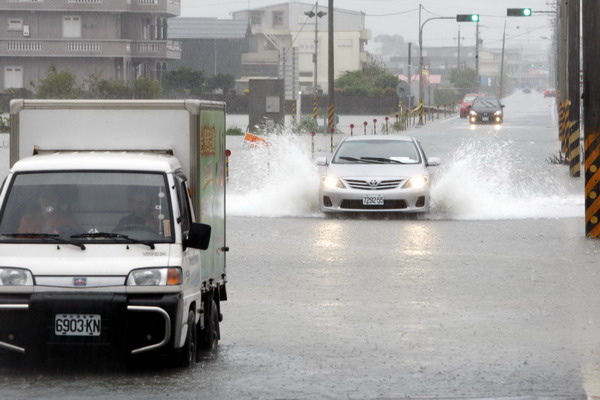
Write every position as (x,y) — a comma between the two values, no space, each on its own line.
(492,295)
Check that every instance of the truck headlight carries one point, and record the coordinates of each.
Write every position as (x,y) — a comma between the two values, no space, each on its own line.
(416,182)
(154,277)
(15,277)
(498,113)
(331,182)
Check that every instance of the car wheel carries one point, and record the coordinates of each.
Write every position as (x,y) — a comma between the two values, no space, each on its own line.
(211,333)
(186,355)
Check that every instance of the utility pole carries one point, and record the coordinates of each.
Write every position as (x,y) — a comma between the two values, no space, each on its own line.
(331,75)
(572,129)
(501,91)
(409,76)
(477,53)
(591,116)
(458,51)
(317,15)
(562,57)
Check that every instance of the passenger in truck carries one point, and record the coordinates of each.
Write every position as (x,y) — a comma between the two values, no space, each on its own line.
(49,215)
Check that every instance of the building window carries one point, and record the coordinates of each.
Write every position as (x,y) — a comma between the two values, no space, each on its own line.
(15,24)
(255,18)
(13,77)
(71,26)
(277,18)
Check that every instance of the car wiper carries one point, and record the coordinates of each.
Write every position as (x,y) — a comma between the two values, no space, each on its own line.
(362,159)
(111,235)
(53,236)
(383,159)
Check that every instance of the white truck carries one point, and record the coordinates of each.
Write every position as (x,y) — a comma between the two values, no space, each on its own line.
(112,229)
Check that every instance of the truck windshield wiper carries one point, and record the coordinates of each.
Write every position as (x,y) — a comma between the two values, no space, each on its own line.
(53,236)
(111,235)
(383,159)
(362,159)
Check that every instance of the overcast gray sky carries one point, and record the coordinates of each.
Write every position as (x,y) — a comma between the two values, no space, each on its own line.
(400,17)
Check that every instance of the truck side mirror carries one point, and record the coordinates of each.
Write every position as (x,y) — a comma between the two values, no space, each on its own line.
(198,237)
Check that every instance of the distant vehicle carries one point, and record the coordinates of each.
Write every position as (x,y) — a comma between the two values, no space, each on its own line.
(526,89)
(466,102)
(376,174)
(486,110)
(550,93)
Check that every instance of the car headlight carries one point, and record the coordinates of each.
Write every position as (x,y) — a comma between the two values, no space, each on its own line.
(154,277)
(497,113)
(416,182)
(472,113)
(15,277)
(331,182)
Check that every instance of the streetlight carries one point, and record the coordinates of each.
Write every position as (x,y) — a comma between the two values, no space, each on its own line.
(319,14)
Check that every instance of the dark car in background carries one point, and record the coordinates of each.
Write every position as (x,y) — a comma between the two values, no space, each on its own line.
(466,103)
(487,110)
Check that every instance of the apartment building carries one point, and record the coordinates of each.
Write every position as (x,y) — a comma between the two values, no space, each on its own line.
(282,43)
(120,39)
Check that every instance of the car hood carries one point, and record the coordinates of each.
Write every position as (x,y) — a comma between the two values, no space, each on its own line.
(376,170)
(485,109)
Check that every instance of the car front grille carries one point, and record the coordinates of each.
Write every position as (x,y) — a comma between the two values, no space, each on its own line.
(383,185)
(387,205)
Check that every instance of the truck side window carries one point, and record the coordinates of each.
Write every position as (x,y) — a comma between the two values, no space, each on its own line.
(184,205)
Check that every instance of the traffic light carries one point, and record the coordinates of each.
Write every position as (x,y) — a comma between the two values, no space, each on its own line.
(467,17)
(518,12)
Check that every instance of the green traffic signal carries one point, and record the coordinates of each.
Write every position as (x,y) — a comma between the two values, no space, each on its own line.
(518,12)
(467,17)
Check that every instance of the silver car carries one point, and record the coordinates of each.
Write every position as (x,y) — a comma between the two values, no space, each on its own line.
(376,174)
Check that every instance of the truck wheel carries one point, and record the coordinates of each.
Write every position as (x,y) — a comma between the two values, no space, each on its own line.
(211,333)
(186,355)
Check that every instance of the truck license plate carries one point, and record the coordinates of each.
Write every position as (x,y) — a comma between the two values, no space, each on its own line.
(373,200)
(485,119)
(77,325)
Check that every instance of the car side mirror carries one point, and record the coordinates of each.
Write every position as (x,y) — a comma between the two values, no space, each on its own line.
(502,105)
(469,106)
(198,237)
(433,161)
(321,161)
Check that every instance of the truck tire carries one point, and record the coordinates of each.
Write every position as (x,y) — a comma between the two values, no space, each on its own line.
(211,333)
(186,355)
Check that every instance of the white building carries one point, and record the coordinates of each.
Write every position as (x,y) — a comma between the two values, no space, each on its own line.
(283,43)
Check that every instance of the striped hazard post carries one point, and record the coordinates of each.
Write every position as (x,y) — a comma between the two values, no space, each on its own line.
(331,117)
(574,152)
(315,113)
(592,187)
(294,110)
(563,126)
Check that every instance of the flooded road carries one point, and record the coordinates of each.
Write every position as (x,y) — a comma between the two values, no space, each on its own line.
(494,294)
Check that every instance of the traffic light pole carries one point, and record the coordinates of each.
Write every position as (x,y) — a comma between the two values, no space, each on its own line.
(421,85)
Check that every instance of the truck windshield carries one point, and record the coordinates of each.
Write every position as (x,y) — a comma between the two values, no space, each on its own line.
(87,206)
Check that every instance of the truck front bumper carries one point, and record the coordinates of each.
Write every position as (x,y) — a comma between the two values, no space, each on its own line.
(129,324)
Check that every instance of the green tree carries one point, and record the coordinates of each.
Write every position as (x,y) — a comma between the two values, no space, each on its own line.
(144,88)
(183,82)
(224,82)
(464,80)
(107,88)
(372,79)
(58,85)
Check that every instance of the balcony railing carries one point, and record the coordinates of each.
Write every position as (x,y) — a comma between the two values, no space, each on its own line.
(163,49)
(170,7)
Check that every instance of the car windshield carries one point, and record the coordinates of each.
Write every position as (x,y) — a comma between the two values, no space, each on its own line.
(378,151)
(468,99)
(87,206)
(486,102)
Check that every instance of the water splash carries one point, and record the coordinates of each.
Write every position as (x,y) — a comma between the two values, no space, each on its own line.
(488,179)
(274,181)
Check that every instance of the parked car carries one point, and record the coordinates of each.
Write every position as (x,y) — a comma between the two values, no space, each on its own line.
(466,103)
(550,93)
(486,110)
(376,174)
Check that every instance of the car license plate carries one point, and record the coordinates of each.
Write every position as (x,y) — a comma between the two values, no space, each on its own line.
(373,200)
(485,119)
(77,325)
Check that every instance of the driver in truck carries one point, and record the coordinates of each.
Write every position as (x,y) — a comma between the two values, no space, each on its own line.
(143,212)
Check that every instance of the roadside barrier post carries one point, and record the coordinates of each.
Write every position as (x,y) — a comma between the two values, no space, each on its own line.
(387,127)
(365,125)
(312,144)
(351,129)
(374,126)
